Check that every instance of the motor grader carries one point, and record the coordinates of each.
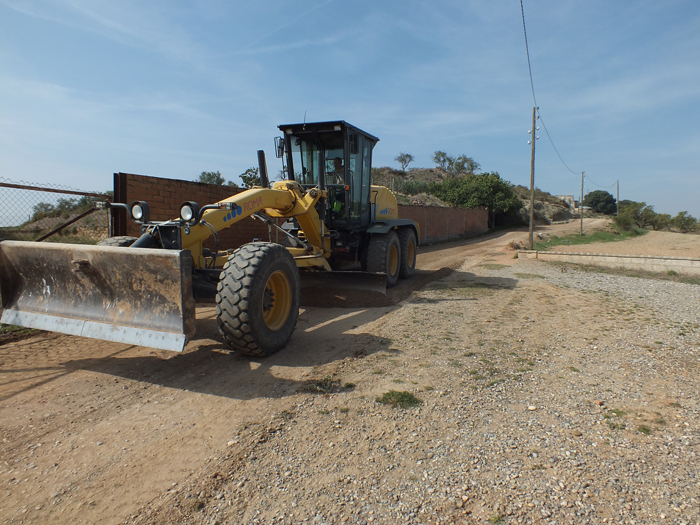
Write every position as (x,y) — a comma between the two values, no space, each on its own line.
(144,290)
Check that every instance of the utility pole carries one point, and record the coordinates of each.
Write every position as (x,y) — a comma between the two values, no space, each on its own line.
(532,177)
(581,204)
(617,200)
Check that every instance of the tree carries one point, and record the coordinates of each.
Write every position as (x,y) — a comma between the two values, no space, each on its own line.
(41,210)
(661,221)
(455,166)
(442,160)
(211,177)
(250,178)
(404,159)
(464,164)
(636,212)
(600,201)
(685,222)
(476,191)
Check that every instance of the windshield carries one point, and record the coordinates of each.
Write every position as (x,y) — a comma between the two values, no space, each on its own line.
(304,159)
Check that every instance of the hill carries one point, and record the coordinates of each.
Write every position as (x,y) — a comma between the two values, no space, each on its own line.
(413,187)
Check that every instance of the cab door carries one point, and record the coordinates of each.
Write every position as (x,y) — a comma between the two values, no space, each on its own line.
(359,161)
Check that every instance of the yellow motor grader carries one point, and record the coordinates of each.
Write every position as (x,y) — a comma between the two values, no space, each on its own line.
(143,290)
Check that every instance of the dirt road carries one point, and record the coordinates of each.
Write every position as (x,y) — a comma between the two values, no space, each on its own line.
(93,431)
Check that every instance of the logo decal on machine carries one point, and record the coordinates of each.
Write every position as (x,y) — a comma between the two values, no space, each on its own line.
(233,213)
(387,211)
(249,206)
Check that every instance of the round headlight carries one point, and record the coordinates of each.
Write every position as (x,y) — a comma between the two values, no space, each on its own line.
(137,212)
(186,213)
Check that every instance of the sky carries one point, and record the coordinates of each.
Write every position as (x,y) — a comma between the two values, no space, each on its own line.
(173,88)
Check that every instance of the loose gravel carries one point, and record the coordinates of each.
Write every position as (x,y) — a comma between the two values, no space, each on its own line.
(549,395)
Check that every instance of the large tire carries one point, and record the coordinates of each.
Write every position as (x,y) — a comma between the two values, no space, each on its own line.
(407,241)
(257,300)
(123,241)
(384,256)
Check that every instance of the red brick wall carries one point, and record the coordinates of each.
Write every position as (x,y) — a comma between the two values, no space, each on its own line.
(164,197)
(441,224)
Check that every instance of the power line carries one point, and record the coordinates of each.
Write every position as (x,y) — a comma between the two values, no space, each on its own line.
(532,87)
(596,184)
(527,50)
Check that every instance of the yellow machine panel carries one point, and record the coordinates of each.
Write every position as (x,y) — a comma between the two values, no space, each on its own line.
(384,205)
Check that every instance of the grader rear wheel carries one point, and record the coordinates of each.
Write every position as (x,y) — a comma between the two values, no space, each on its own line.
(257,300)
(407,240)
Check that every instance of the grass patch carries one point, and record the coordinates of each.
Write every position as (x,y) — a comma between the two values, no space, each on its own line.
(599,236)
(325,385)
(640,274)
(287,415)
(644,429)
(493,266)
(399,399)
(16,330)
(529,276)
(616,425)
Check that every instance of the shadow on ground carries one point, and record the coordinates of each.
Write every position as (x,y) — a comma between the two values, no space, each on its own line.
(207,367)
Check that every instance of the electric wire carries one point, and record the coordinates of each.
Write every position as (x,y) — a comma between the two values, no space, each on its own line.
(534,99)
(596,184)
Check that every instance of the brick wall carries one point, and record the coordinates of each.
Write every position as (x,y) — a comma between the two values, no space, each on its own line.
(164,197)
(441,224)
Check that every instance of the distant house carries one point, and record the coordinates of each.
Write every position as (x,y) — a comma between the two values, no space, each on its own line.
(568,199)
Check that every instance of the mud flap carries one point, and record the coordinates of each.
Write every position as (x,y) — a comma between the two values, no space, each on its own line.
(128,295)
(371,282)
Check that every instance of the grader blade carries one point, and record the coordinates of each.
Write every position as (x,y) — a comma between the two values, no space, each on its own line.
(361,281)
(128,295)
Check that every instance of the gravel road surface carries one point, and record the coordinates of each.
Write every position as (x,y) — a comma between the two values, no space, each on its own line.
(534,393)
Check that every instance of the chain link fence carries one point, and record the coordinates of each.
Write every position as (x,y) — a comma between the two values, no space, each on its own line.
(51,213)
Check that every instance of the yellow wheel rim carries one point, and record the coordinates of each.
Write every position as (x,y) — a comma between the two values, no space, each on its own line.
(411,254)
(277,301)
(393,259)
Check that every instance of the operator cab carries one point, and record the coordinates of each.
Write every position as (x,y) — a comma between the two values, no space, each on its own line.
(337,157)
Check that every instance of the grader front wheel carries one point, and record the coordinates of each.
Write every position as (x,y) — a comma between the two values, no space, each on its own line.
(257,300)
(122,241)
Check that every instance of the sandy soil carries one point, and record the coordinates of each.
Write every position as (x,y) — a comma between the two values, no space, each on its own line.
(92,431)
(659,243)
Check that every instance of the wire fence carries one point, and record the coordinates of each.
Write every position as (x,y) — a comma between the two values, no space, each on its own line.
(51,213)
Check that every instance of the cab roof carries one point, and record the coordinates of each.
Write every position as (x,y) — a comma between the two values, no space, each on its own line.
(330,126)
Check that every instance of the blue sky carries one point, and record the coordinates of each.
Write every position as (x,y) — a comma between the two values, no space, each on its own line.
(171,89)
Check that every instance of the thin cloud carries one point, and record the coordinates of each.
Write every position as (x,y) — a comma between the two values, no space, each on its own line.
(283,26)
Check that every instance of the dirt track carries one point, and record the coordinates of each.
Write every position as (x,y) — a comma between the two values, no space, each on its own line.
(93,431)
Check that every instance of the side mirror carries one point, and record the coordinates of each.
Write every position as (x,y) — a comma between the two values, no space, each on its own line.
(279,147)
